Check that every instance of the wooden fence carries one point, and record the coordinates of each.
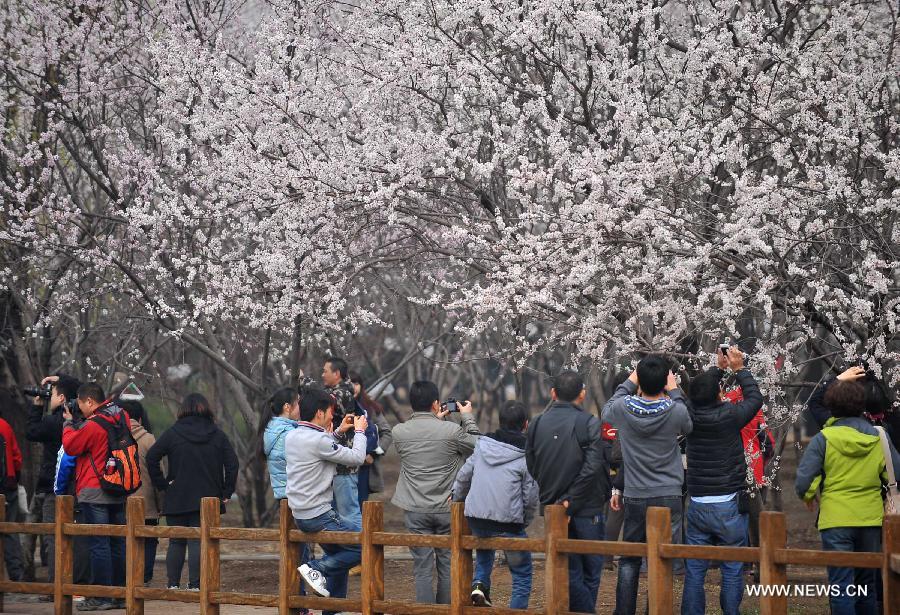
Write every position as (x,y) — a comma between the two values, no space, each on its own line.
(773,557)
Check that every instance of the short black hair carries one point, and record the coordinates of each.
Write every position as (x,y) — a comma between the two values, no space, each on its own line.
(92,390)
(652,373)
(845,398)
(422,394)
(704,389)
(568,385)
(513,415)
(338,364)
(313,401)
(136,412)
(68,386)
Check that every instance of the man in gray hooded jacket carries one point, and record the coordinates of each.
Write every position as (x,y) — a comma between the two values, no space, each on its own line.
(650,413)
(501,500)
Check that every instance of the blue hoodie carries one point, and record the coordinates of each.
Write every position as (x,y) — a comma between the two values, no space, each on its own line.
(273,447)
(65,473)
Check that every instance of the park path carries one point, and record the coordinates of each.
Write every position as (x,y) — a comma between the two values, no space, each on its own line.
(151,607)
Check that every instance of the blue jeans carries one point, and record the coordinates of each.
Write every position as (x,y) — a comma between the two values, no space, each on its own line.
(338,559)
(519,563)
(853,539)
(715,524)
(107,553)
(635,530)
(584,570)
(346,498)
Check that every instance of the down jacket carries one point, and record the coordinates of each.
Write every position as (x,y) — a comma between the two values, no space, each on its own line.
(495,483)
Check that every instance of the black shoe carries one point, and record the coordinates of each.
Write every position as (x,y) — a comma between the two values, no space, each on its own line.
(481,595)
(96,604)
(118,603)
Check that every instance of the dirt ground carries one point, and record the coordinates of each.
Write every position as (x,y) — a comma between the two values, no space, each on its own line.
(261,576)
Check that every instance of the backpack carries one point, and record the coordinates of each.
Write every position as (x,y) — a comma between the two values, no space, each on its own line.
(121,474)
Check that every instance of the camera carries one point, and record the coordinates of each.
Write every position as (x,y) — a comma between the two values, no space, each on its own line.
(723,348)
(72,407)
(452,405)
(44,392)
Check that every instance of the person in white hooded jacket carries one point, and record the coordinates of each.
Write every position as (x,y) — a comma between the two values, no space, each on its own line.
(501,500)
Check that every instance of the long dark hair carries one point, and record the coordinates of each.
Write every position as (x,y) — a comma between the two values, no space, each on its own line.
(195,404)
(367,402)
(274,407)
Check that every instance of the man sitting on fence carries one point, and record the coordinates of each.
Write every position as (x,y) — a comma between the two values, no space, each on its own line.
(717,479)
(312,455)
(570,462)
(89,444)
(649,412)
(501,500)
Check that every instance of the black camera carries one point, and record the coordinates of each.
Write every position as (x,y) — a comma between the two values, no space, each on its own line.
(452,405)
(72,407)
(44,392)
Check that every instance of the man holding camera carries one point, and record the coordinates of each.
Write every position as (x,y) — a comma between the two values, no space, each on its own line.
(432,451)
(312,455)
(46,427)
(89,444)
(336,381)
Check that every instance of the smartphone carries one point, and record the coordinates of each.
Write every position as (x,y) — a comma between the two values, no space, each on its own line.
(723,348)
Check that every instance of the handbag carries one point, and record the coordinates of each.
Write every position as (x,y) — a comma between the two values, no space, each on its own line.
(892,500)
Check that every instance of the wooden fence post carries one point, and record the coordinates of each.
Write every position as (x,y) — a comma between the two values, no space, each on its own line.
(556,566)
(64,555)
(890,545)
(2,554)
(772,536)
(372,575)
(460,561)
(660,590)
(210,574)
(134,555)
(288,575)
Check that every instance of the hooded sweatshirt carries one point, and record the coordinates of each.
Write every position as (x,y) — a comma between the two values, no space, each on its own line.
(151,496)
(495,484)
(202,464)
(648,432)
(89,444)
(273,448)
(844,464)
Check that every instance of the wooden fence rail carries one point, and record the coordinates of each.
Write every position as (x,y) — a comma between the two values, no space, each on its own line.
(773,557)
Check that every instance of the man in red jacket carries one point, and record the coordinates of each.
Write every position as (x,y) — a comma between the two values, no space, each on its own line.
(12,462)
(88,442)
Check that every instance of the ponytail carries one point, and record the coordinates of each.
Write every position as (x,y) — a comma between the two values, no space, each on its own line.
(274,407)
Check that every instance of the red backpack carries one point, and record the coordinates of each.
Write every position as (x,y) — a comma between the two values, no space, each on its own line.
(121,474)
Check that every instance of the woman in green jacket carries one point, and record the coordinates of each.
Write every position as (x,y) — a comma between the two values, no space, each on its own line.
(843,470)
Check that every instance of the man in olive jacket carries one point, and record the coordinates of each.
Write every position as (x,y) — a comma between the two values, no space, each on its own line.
(431,453)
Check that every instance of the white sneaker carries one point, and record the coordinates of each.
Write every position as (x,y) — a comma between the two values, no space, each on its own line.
(314,579)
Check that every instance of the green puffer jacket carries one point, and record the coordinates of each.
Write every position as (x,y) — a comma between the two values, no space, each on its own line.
(844,465)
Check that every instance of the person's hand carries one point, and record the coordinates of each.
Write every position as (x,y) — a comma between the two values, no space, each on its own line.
(444,412)
(671,382)
(346,423)
(721,360)
(565,504)
(615,502)
(464,408)
(852,374)
(633,377)
(811,504)
(67,414)
(369,460)
(49,379)
(735,359)
(359,422)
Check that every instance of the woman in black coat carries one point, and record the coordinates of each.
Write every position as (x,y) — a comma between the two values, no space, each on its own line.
(202,464)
